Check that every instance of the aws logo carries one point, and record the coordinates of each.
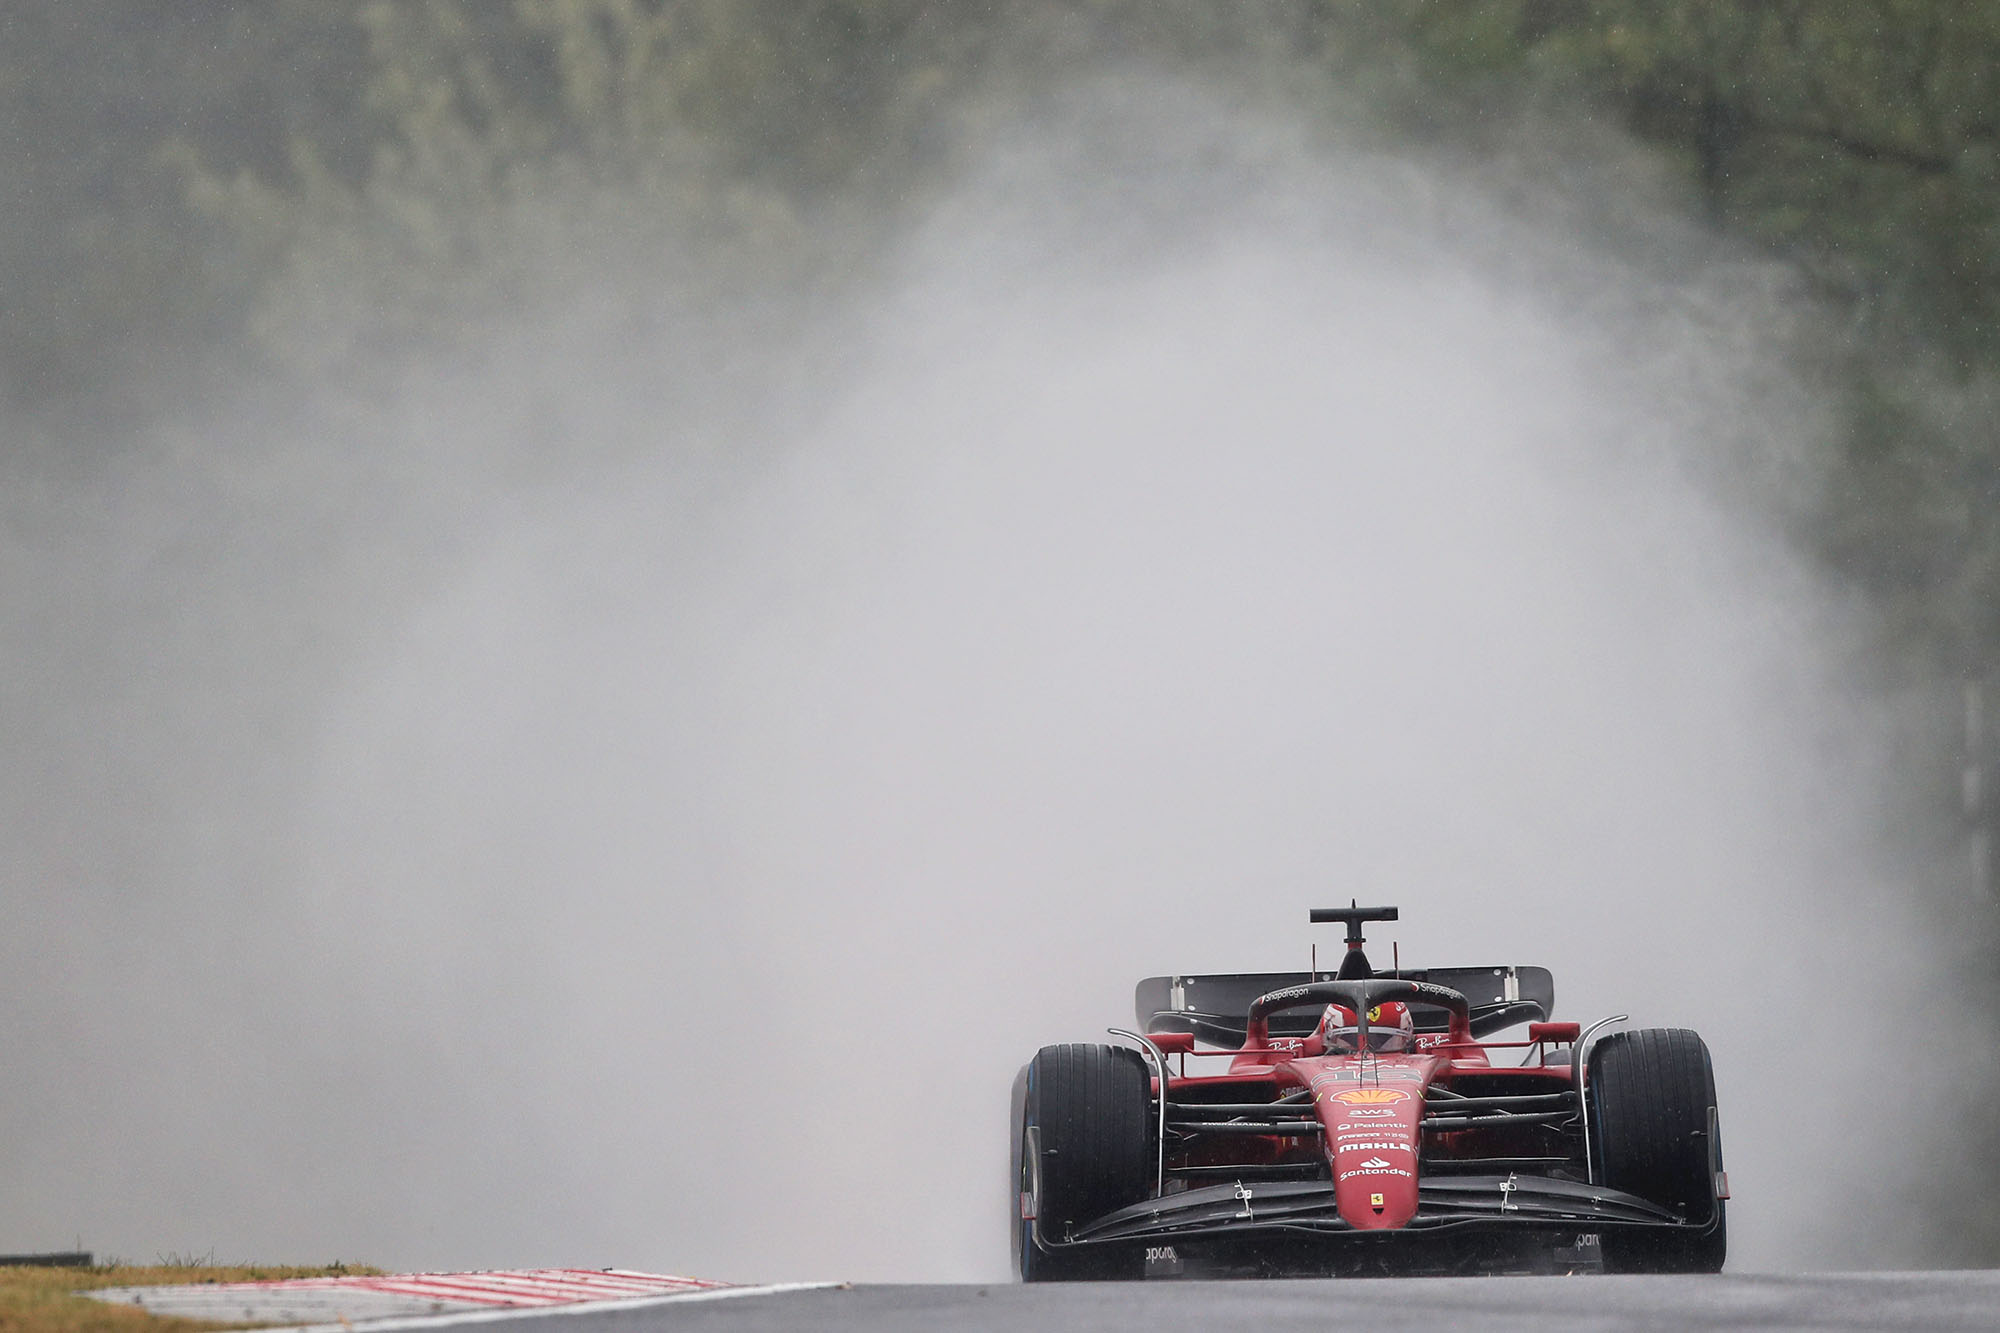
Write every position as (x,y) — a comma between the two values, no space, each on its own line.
(1371,1096)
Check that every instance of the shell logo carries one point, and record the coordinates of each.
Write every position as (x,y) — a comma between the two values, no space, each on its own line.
(1371,1096)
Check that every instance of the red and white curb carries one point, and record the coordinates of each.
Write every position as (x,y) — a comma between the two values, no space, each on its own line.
(430,1300)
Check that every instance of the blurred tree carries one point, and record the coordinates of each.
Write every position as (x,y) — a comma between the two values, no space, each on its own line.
(1859,137)
(103,270)
(760,132)
(175,171)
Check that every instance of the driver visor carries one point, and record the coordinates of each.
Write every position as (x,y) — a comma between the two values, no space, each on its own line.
(1379,1038)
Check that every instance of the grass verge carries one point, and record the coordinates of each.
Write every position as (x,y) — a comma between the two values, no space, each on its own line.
(43,1300)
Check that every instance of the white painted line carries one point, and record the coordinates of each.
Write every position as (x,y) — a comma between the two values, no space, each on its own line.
(541,1311)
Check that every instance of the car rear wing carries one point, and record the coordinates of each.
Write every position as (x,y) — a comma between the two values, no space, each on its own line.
(1216,1008)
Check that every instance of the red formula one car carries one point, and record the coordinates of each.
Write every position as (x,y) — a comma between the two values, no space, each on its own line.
(1360,1124)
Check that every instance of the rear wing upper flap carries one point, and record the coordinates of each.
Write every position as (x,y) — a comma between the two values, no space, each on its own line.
(1214,1007)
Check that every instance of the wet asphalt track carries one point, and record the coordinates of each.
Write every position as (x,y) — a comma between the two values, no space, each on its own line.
(1378,1305)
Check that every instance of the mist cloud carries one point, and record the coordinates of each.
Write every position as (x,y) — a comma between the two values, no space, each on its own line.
(577,808)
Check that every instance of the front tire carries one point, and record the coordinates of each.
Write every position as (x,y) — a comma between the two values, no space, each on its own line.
(1084,1148)
(1652,1100)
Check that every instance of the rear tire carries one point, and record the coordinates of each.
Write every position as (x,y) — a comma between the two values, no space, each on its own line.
(1084,1146)
(1652,1102)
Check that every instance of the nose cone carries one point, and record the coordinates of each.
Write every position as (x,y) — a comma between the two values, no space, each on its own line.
(1371,1143)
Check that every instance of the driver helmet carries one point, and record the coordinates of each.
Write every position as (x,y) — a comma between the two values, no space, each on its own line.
(1389,1029)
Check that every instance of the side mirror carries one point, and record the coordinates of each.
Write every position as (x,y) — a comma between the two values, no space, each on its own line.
(1558,1034)
(1180,1043)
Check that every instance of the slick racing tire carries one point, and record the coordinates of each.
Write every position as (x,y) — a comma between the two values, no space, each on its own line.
(1084,1148)
(1652,1107)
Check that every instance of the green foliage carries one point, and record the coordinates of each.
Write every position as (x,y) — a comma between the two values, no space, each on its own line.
(305,178)
(1858,137)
